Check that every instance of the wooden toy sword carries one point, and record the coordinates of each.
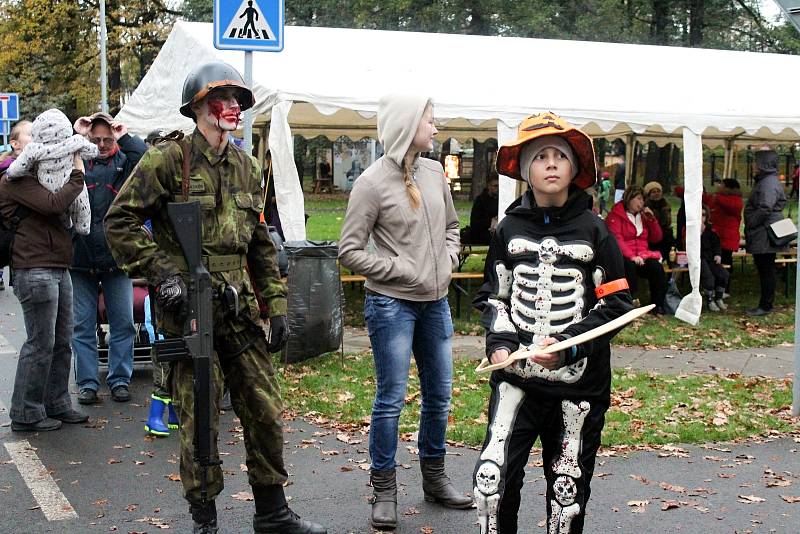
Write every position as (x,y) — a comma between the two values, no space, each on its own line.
(522,354)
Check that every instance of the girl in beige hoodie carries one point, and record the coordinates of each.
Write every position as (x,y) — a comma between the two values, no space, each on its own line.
(402,202)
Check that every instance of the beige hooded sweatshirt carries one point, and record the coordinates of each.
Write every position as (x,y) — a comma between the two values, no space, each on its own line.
(414,251)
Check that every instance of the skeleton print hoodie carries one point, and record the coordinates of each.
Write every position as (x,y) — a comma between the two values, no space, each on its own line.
(540,277)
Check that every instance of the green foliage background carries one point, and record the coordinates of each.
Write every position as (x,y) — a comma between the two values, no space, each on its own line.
(49,49)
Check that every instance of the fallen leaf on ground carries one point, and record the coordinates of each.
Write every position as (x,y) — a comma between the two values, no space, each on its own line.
(243,496)
(669,505)
(670,487)
(750,499)
(791,499)
(777,483)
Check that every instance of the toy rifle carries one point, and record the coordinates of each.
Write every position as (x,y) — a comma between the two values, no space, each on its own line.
(197,342)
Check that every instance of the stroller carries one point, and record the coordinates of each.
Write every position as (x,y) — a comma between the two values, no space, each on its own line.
(141,319)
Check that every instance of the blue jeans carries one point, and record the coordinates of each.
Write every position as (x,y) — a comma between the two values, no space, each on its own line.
(118,296)
(41,386)
(396,329)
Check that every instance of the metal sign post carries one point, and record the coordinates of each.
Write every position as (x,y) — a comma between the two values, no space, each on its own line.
(103,67)
(5,125)
(791,9)
(9,111)
(249,25)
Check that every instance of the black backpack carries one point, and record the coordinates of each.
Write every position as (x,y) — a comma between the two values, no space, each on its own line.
(8,227)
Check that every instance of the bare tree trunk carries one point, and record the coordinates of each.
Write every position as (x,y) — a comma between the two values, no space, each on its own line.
(651,162)
(697,10)
(659,22)
(480,168)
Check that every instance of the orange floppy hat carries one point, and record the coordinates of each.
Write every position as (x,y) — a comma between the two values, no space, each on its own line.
(543,124)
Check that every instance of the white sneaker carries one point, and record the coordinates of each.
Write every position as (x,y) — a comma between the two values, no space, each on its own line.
(721,304)
(712,306)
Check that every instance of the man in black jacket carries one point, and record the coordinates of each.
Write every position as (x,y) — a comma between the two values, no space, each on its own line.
(483,217)
(93,264)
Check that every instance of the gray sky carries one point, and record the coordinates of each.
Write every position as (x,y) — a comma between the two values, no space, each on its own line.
(770,9)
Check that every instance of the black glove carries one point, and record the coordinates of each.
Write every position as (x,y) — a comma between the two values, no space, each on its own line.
(171,294)
(278,333)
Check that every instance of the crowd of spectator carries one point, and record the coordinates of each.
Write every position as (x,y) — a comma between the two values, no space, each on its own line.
(642,222)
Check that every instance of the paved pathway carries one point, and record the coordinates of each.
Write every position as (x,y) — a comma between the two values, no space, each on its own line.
(774,361)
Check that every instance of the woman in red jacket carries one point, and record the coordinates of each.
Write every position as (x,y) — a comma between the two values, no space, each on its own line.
(726,212)
(635,227)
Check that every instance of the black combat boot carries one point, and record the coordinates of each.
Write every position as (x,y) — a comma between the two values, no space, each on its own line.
(273,515)
(205,518)
(437,487)
(384,498)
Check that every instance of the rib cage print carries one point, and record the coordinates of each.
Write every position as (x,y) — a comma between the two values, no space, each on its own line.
(546,298)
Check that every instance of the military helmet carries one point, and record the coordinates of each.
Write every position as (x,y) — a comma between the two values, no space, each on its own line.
(209,76)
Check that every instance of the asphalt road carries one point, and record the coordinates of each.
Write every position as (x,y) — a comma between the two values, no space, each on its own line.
(108,476)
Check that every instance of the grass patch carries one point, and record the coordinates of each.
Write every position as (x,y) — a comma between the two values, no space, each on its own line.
(326,215)
(715,331)
(647,409)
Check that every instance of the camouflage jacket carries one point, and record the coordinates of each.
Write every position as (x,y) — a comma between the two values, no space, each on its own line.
(228,187)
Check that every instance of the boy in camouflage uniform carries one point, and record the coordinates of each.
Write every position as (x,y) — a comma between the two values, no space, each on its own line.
(227,183)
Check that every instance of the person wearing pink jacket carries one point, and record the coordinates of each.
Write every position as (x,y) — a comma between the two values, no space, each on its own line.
(635,227)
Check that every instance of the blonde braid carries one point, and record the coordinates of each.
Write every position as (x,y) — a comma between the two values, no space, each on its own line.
(414,195)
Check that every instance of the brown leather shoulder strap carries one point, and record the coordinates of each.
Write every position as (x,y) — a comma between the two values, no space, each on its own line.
(177,136)
(186,162)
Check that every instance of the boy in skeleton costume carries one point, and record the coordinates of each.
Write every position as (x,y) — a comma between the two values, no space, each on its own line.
(553,271)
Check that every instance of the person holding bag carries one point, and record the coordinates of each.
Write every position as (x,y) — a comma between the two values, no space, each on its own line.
(764,207)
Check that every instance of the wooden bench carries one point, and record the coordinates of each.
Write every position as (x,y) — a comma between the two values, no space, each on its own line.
(786,262)
(454,281)
(466,250)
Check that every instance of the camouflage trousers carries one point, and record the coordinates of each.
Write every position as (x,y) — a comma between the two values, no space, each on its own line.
(243,363)
(161,377)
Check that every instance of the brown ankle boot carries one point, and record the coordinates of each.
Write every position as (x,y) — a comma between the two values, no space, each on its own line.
(384,495)
(437,487)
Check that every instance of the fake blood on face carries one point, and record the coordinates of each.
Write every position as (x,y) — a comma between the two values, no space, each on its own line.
(217,109)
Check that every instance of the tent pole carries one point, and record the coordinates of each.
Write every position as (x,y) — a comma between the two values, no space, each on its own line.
(262,145)
(796,384)
(248,115)
(630,143)
(728,160)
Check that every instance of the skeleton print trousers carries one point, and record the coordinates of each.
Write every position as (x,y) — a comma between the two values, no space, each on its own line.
(570,435)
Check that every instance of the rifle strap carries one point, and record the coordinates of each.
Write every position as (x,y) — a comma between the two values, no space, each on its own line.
(177,136)
(186,162)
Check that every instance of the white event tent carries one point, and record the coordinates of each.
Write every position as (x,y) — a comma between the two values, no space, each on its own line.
(327,81)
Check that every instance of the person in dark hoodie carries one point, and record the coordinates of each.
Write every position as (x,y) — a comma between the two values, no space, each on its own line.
(403,202)
(483,217)
(764,207)
(713,277)
(40,256)
(93,264)
(553,271)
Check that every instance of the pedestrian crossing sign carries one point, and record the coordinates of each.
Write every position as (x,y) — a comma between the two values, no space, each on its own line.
(251,25)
